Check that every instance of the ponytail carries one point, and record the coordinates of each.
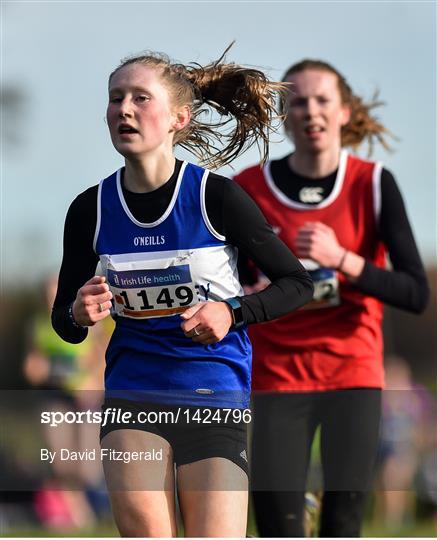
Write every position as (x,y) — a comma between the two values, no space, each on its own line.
(244,99)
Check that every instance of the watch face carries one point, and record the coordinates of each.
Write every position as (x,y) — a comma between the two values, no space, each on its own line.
(238,316)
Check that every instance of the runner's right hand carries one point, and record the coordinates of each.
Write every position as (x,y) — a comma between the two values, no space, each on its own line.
(93,302)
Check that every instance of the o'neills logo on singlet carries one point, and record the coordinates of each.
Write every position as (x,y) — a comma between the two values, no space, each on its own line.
(149,240)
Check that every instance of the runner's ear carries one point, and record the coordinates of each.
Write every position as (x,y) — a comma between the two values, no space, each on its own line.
(345,115)
(182,118)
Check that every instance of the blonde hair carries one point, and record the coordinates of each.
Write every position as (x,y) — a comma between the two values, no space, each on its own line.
(245,99)
(363,125)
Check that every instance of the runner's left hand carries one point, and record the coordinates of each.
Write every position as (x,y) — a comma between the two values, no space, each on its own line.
(207,322)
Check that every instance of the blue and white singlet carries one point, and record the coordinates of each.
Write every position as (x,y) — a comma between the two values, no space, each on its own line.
(156,271)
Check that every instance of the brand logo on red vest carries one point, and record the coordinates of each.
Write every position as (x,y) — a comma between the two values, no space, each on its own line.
(311,194)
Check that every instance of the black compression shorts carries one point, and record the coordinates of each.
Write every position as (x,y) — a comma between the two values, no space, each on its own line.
(194,433)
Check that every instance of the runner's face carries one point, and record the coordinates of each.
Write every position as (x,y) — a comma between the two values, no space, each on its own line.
(140,114)
(315,113)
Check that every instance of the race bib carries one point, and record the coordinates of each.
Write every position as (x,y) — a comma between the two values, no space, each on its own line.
(156,288)
(326,286)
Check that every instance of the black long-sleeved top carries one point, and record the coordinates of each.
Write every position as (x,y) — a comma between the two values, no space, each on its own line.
(406,285)
(232,213)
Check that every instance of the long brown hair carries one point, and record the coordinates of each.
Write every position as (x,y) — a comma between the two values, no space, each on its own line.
(244,98)
(363,125)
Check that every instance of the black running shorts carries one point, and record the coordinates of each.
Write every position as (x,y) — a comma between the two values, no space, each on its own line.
(194,433)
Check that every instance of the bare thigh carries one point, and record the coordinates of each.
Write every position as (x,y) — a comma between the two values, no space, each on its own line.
(141,491)
(213,495)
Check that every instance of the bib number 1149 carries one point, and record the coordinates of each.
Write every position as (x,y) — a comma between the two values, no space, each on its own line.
(182,296)
(152,293)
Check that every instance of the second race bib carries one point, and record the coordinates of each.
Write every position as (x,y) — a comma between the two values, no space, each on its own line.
(326,286)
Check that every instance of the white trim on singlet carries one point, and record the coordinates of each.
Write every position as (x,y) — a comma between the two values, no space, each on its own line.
(132,258)
(99,216)
(169,207)
(203,208)
(376,186)
(302,206)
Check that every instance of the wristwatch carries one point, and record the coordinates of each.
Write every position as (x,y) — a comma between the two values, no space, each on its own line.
(237,312)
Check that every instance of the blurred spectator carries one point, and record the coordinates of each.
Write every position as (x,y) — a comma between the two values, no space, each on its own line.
(71,378)
(406,421)
(426,479)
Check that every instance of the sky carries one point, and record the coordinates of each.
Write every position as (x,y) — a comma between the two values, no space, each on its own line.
(55,142)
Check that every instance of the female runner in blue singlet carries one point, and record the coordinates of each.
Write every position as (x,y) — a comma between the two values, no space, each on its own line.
(166,233)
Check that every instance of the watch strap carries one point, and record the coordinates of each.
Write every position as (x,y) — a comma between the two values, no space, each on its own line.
(237,311)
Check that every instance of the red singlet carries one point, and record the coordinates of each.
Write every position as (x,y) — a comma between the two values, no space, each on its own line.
(330,346)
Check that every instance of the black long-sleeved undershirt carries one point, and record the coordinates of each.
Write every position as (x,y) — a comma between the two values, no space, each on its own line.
(405,286)
(232,213)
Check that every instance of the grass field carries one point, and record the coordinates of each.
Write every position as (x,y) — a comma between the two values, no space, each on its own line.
(424,529)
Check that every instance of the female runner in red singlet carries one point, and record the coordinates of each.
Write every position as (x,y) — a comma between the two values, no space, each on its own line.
(323,365)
